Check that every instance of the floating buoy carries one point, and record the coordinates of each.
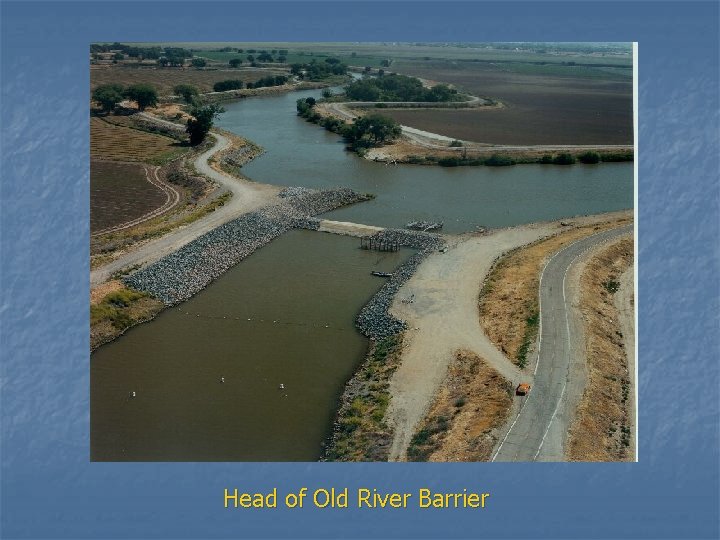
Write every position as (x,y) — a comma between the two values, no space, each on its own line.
(282,386)
(222,379)
(133,394)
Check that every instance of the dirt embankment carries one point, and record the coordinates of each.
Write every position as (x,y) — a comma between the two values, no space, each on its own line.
(462,424)
(602,430)
(509,311)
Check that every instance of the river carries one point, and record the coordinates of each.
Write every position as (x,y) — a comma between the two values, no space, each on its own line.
(302,293)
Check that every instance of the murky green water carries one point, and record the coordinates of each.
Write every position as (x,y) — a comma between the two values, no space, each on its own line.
(313,284)
(300,153)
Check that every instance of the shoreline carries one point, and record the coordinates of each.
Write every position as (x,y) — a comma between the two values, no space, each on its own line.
(418,147)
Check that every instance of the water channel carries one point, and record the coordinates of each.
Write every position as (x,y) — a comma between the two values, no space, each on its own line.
(302,293)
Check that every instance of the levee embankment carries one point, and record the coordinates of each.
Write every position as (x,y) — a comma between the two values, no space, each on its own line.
(183,273)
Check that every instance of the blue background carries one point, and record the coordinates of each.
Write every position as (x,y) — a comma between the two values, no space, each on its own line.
(49,487)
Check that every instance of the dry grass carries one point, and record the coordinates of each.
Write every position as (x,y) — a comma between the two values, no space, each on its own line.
(601,430)
(119,309)
(101,291)
(165,79)
(118,143)
(509,297)
(461,425)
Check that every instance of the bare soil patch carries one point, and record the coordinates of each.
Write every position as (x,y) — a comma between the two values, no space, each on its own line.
(508,301)
(602,430)
(539,109)
(111,141)
(120,192)
(473,401)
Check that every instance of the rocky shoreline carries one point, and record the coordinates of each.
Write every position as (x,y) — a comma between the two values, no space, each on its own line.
(182,274)
(375,320)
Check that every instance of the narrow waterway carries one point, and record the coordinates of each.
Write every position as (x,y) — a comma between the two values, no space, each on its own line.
(302,293)
(301,153)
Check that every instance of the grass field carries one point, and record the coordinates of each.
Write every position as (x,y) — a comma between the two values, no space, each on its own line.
(114,142)
(298,56)
(555,53)
(539,108)
(165,79)
(120,192)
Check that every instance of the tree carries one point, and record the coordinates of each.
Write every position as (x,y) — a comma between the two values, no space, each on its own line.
(144,94)
(265,57)
(380,128)
(250,58)
(199,126)
(187,91)
(198,62)
(282,58)
(385,63)
(235,62)
(108,95)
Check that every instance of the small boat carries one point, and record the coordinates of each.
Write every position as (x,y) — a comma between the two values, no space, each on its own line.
(381,274)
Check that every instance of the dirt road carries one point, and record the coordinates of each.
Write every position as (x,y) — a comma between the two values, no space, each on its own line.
(539,431)
(247,196)
(444,318)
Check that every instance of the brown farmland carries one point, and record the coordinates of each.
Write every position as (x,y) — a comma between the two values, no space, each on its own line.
(539,108)
(165,79)
(115,142)
(120,192)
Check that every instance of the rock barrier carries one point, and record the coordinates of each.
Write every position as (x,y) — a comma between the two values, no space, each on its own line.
(182,274)
(375,320)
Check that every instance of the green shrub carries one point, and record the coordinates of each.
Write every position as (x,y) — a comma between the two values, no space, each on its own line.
(497,160)
(564,159)
(589,157)
(455,144)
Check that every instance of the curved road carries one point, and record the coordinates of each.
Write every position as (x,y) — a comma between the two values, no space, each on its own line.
(247,196)
(539,431)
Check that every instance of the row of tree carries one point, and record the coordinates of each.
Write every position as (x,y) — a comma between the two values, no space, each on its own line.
(368,130)
(317,71)
(395,87)
(109,95)
(237,84)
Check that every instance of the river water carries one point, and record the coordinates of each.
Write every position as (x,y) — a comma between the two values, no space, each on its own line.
(313,284)
(302,292)
(301,153)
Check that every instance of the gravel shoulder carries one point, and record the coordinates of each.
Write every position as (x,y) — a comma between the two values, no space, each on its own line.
(246,197)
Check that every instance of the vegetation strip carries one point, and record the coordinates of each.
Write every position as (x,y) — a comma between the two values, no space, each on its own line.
(602,427)
(360,432)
